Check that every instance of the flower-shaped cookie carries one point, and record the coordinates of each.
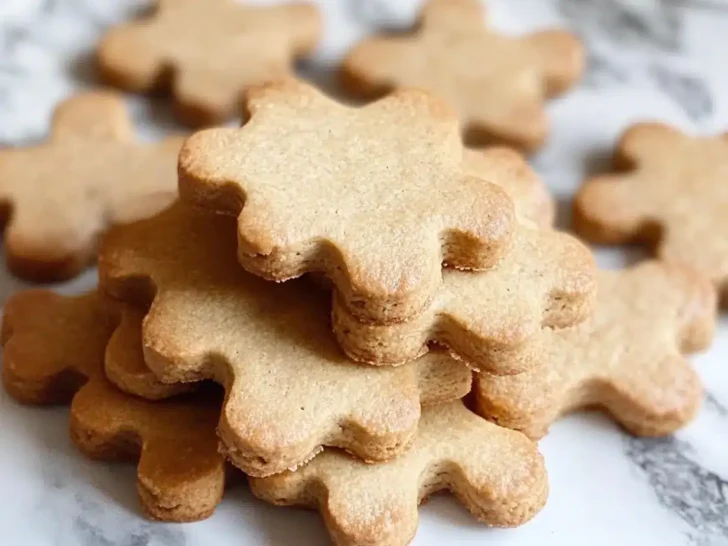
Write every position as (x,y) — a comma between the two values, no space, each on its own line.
(290,390)
(627,358)
(208,52)
(124,361)
(59,196)
(497,474)
(53,352)
(491,319)
(670,191)
(510,171)
(377,198)
(498,84)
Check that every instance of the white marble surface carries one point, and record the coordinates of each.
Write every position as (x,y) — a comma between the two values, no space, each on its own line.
(661,59)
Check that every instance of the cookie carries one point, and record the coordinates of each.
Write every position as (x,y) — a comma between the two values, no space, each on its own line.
(377,198)
(627,358)
(58,196)
(510,171)
(124,363)
(290,390)
(491,319)
(498,84)
(54,353)
(496,473)
(669,191)
(206,53)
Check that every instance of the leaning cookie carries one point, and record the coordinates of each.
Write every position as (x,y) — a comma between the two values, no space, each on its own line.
(124,363)
(379,218)
(290,390)
(59,196)
(627,358)
(498,84)
(509,170)
(496,473)
(208,52)
(669,191)
(491,319)
(53,352)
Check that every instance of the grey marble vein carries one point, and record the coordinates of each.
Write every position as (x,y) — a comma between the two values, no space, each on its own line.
(696,495)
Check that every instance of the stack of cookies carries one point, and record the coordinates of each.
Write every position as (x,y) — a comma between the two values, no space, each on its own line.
(344,304)
(376,199)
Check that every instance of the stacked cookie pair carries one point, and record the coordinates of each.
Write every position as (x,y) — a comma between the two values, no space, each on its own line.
(205,54)
(376,199)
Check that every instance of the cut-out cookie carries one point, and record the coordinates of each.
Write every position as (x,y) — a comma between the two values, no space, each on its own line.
(496,473)
(627,357)
(57,197)
(510,171)
(124,362)
(208,52)
(489,319)
(498,84)
(377,198)
(290,390)
(54,352)
(671,192)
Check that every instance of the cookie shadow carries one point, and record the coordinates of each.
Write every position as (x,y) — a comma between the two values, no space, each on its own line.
(325,77)
(282,526)
(10,284)
(83,69)
(564,213)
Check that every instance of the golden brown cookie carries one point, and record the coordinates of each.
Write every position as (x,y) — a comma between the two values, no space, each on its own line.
(124,360)
(377,198)
(498,84)
(54,353)
(290,390)
(669,191)
(58,196)
(627,358)
(510,171)
(497,474)
(207,52)
(491,319)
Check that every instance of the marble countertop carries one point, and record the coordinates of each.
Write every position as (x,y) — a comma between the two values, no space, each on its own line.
(659,59)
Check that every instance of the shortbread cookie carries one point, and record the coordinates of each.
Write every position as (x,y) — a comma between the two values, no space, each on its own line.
(627,358)
(671,192)
(207,52)
(124,361)
(510,171)
(54,352)
(57,197)
(498,84)
(490,319)
(377,198)
(496,473)
(290,390)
